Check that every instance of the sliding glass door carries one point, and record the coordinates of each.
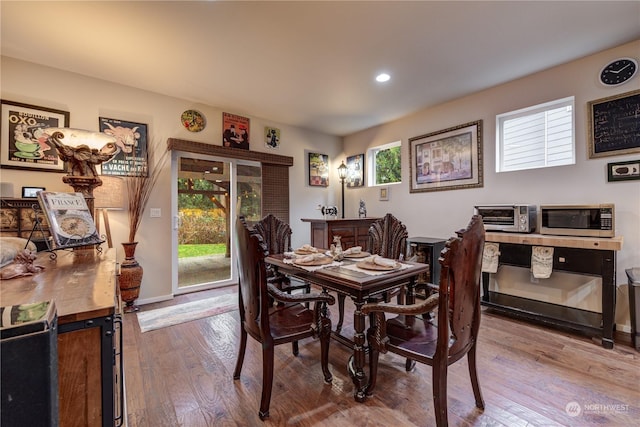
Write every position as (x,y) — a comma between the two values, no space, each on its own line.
(209,194)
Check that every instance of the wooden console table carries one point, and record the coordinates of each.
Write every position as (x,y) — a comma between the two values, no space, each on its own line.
(353,231)
(582,255)
(83,285)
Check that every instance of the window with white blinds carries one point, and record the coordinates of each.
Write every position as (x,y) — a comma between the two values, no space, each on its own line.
(536,137)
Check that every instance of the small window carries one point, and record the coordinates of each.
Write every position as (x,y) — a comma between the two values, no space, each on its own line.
(536,137)
(384,164)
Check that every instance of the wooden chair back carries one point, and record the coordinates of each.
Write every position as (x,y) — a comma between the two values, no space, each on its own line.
(387,237)
(276,234)
(459,291)
(252,281)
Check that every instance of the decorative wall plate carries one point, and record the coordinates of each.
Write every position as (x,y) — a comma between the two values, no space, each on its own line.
(193,120)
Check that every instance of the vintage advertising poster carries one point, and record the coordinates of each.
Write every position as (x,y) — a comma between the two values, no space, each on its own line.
(132,142)
(70,221)
(24,142)
(235,131)
(355,171)
(318,170)
(271,137)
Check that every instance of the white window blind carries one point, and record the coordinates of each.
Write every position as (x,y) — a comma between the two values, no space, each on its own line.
(536,137)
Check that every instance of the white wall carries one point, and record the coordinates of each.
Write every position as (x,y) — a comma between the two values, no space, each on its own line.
(87,99)
(440,213)
(435,214)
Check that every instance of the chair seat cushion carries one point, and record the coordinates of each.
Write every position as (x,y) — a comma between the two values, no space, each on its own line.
(413,333)
(290,319)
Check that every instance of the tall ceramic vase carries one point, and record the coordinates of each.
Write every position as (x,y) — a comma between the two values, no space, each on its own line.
(130,277)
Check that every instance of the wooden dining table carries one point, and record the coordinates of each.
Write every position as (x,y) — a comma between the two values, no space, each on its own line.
(360,286)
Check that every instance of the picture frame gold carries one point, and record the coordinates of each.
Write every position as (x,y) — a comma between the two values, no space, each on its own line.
(448,159)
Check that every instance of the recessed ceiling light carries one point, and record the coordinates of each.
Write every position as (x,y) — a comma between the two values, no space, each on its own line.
(383,77)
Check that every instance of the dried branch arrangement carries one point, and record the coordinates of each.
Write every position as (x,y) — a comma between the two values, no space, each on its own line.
(139,189)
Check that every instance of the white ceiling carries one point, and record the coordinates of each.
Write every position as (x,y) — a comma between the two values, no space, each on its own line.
(312,63)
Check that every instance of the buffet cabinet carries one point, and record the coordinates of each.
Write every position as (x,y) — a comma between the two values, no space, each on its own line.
(581,255)
(83,284)
(17,218)
(352,231)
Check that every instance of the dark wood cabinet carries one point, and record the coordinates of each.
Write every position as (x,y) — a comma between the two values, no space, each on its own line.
(83,285)
(17,217)
(353,231)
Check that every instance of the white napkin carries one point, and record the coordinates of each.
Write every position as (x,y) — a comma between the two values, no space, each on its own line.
(310,258)
(378,260)
(307,248)
(353,250)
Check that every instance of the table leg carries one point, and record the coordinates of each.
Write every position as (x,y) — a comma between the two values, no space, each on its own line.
(357,360)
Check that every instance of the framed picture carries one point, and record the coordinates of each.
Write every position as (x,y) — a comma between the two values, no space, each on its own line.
(384,193)
(133,142)
(31,192)
(235,131)
(23,143)
(271,137)
(318,170)
(446,160)
(623,171)
(614,125)
(355,171)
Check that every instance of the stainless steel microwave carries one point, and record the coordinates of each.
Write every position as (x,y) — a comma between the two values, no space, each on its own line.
(509,218)
(578,220)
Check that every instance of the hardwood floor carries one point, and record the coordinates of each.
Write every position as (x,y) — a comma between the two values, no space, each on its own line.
(183,376)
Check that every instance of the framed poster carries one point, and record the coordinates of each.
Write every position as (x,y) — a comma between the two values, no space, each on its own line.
(623,171)
(23,143)
(355,171)
(446,160)
(235,131)
(318,170)
(132,141)
(614,125)
(271,137)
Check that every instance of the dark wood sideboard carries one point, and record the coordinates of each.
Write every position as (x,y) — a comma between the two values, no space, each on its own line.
(353,231)
(83,284)
(17,218)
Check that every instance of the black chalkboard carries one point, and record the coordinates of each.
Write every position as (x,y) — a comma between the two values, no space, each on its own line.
(615,125)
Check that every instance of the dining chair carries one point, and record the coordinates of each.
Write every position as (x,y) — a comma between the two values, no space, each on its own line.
(453,334)
(276,235)
(386,237)
(269,324)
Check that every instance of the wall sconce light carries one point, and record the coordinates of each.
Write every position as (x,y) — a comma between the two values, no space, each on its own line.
(342,173)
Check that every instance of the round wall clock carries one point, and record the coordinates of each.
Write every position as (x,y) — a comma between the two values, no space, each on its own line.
(618,71)
(193,120)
